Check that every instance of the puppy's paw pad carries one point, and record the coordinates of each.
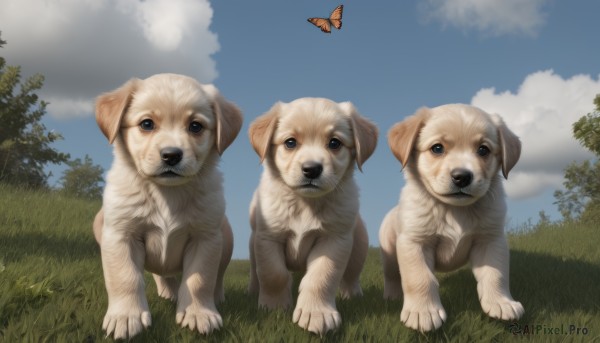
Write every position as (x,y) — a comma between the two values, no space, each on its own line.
(203,320)
(503,308)
(423,318)
(124,325)
(317,319)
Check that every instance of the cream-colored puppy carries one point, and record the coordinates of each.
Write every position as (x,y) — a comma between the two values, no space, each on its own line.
(163,207)
(451,211)
(304,214)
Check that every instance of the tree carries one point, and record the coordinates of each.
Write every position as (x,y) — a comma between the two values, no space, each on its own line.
(582,181)
(24,141)
(83,179)
(587,129)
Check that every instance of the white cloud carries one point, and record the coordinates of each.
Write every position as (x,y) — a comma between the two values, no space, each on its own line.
(495,17)
(86,47)
(165,23)
(542,113)
(65,108)
(522,185)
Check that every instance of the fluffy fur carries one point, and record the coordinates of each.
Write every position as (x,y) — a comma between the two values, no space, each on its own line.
(451,211)
(304,213)
(163,207)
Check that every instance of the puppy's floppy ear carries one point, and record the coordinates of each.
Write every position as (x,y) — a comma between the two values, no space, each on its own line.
(510,145)
(403,136)
(365,133)
(111,106)
(228,116)
(262,129)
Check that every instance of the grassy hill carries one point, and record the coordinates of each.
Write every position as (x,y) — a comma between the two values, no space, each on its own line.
(52,289)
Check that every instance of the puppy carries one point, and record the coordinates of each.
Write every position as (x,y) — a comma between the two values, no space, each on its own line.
(451,211)
(163,207)
(304,213)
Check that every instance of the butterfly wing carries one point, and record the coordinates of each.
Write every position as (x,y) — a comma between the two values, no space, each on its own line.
(336,17)
(321,23)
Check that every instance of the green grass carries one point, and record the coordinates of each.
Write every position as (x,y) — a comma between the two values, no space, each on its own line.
(52,289)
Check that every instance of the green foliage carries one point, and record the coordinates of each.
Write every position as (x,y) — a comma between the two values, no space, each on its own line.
(83,179)
(591,214)
(544,219)
(582,186)
(52,287)
(582,181)
(24,141)
(587,129)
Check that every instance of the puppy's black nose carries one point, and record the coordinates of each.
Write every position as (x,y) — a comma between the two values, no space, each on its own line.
(461,177)
(312,170)
(171,156)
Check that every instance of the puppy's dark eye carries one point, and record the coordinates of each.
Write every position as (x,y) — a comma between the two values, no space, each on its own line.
(483,151)
(334,144)
(437,149)
(290,143)
(147,125)
(195,127)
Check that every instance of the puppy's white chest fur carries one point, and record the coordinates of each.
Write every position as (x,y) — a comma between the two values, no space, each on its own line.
(300,222)
(302,231)
(166,236)
(449,231)
(163,219)
(452,241)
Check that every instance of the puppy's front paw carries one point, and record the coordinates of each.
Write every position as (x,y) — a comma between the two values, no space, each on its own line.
(125,324)
(282,300)
(502,308)
(202,319)
(219,294)
(166,287)
(422,315)
(392,290)
(317,318)
(348,291)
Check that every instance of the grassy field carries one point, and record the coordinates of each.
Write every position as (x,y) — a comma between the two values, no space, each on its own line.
(52,289)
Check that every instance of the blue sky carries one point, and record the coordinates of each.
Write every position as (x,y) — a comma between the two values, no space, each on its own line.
(535,62)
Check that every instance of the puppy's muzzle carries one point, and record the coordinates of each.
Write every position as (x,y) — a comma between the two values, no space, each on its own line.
(312,170)
(461,177)
(171,155)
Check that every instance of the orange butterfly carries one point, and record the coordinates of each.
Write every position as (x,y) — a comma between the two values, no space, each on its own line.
(335,19)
